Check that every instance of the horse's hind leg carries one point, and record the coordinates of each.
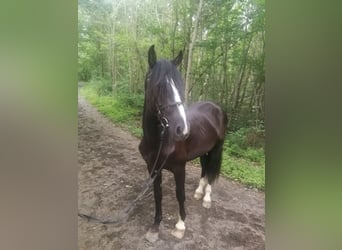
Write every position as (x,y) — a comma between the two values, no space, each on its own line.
(179,174)
(212,170)
(203,181)
(207,197)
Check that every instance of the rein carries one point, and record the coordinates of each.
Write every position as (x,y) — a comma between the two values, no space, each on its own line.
(164,123)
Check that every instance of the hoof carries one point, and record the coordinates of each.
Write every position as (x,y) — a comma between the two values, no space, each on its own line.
(178,233)
(206,204)
(152,236)
(198,195)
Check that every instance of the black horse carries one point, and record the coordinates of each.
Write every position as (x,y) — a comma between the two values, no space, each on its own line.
(188,133)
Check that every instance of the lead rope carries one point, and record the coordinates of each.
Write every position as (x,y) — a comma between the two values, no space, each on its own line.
(148,183)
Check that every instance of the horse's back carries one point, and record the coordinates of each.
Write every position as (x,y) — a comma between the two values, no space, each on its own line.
(206,114)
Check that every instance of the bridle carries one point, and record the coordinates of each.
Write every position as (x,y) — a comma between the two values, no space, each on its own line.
(163,121)
(162,107)
(164,124)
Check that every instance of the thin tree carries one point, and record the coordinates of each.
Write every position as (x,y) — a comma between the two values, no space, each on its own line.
(191,45)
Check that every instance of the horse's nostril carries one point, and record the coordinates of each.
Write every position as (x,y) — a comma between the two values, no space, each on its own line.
(179,131)
(186,135)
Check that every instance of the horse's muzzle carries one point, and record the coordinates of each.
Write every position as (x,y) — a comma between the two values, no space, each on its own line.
(181,134)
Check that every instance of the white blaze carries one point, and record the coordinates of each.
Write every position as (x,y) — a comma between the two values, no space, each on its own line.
(180,107)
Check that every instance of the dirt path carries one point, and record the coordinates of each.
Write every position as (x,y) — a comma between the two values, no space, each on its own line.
(111,173)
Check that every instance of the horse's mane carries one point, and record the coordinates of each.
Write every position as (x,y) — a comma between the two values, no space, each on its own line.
(156,87)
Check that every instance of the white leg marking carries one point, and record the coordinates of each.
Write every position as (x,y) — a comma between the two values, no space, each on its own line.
(180,224)
(199,191)
(152,236)
(207,199)
(179,230)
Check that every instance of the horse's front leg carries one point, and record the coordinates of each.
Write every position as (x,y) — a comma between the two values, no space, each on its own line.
(179,175)
(152,234)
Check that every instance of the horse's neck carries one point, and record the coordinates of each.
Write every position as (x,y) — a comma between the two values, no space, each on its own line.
(150,128)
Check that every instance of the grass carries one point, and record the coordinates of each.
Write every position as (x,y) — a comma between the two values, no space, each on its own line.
(117,108)
(250,173)
(243,157)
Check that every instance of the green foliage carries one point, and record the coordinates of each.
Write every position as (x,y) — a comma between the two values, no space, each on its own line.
(244,171)
(120,108)
(102,87)
(244,157)
(227,64)
(247,143)
(255,155)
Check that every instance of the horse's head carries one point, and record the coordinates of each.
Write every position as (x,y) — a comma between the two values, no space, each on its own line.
(164,94)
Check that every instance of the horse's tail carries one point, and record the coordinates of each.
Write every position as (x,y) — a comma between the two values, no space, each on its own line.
(213,167)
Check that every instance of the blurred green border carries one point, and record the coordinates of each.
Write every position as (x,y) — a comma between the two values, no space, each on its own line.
(38,47)
(303,125)
(38,117)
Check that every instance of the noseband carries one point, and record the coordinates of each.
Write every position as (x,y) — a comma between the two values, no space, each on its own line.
(164,122)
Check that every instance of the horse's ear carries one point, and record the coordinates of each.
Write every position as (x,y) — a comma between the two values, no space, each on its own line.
(177,61)
(152,57)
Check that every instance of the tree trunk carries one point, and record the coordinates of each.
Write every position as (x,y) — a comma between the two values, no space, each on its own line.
(191,45)
(174,31)
(242,74)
